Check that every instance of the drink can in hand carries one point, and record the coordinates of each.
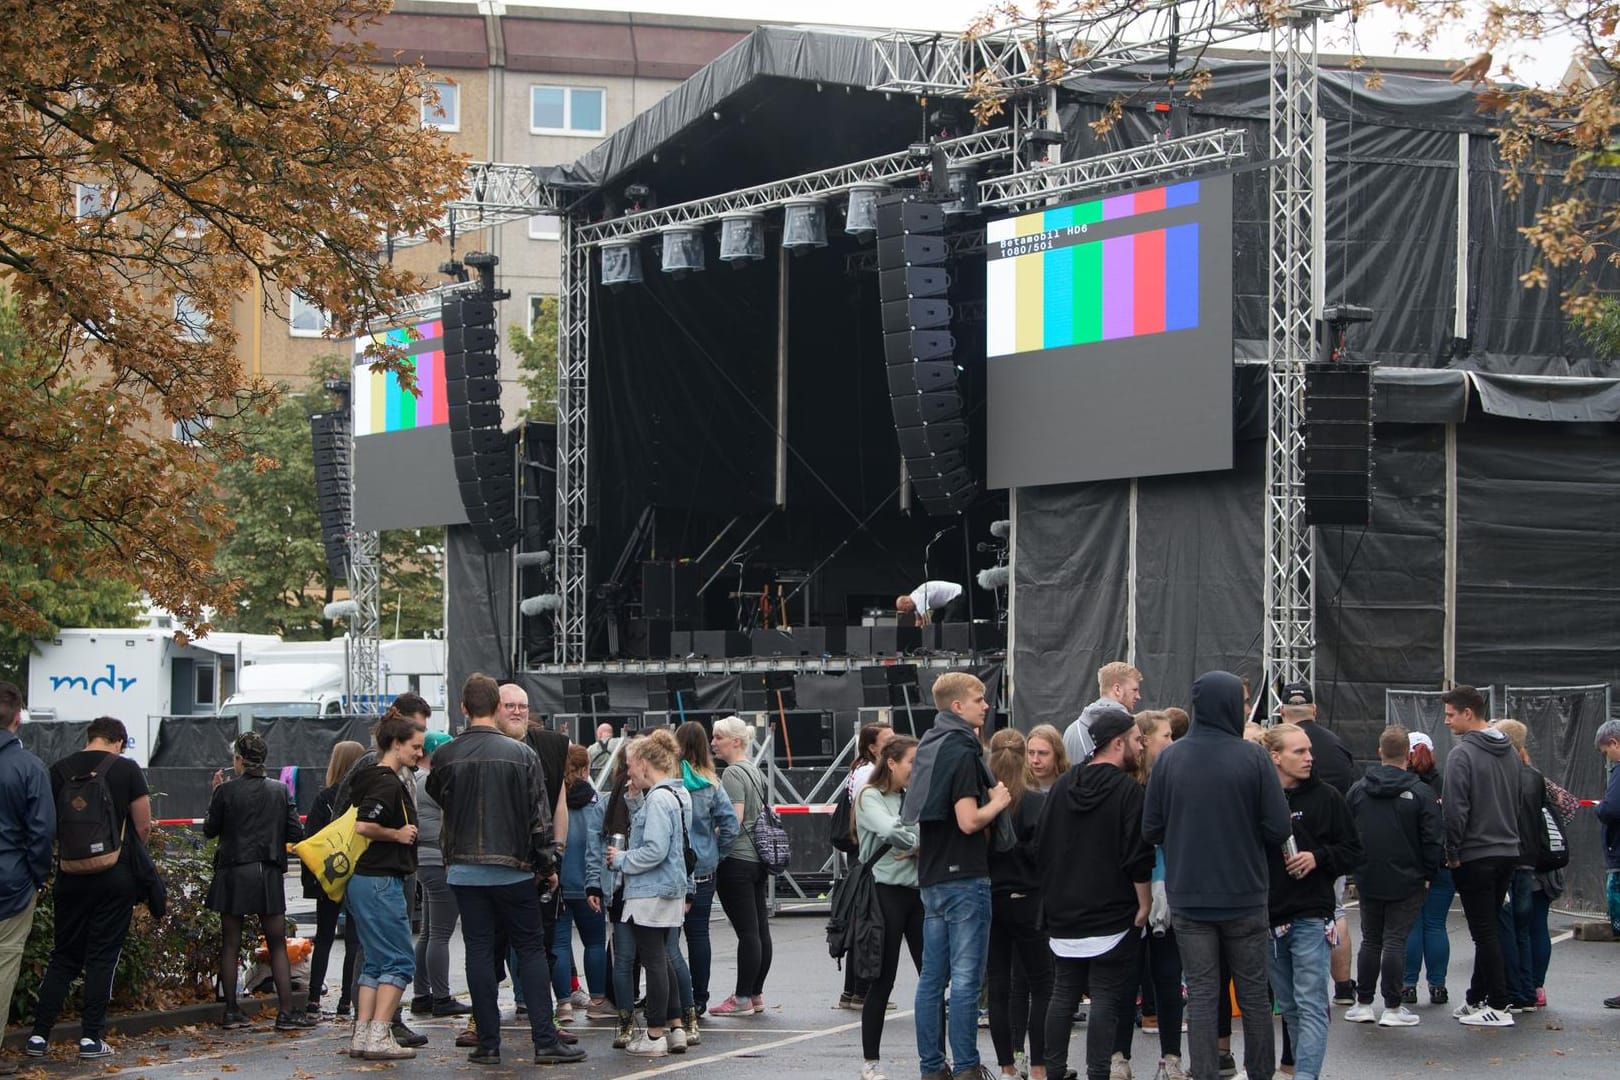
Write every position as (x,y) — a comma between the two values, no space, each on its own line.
(1290,848)
(616,841)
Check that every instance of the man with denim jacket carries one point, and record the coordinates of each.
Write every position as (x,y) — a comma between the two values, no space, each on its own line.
(496,838)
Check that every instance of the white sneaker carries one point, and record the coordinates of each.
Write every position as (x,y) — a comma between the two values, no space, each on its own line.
(580,999)
(676,1038)
(872,1070)
(644,1046)
(1400,1016)
(1465,1009)
(1119,1067)
(1170,1069)
(1360,1014)
(1487,1017)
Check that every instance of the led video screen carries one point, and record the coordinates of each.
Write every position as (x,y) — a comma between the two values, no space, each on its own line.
(1109,337)
(404,471)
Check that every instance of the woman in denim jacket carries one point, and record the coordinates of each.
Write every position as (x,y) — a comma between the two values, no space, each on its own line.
(656,879)
(714,827)
(580,883)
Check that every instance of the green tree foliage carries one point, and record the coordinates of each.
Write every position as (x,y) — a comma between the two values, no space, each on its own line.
(275,552)
(537,361)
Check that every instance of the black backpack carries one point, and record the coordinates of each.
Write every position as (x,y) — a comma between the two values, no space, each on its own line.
(838,830)
(87,834)
(1550,845)
(855,923)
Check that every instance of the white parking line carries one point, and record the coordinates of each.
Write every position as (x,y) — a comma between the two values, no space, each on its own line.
(756,1048)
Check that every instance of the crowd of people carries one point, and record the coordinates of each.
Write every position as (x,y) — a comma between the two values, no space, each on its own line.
(1142,870)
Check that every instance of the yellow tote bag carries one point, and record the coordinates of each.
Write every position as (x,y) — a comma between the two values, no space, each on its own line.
(332,853)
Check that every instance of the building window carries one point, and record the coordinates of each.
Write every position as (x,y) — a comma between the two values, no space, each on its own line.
(304,319)
(187,431)
(92,200)
(445,114)
(545,227)
(537,303)
(567,110)
(191,321)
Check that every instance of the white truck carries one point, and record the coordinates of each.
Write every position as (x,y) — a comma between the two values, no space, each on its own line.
(136,675)
(307,678)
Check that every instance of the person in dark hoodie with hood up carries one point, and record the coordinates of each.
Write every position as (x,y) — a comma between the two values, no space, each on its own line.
(954,801)
(1398,819)
(1214,804)
(1302,895)
(1481,811)
(1093,819)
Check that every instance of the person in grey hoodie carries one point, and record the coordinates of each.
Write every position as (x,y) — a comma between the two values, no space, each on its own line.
(1481,844)
(1120,687)
(1215,805)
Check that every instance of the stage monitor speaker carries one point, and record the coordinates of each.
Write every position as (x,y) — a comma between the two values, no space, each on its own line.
(584,694)
(680,643)
(649,639)
(888,684)
(768,691)
(671,691)
(812,641)
(669,590)
(973,637)
(719,644)
(895,640)
(810,737)
(1338,436)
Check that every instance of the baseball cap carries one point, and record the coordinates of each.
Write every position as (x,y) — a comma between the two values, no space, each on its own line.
(433,740)
(1297,693)
(1415,739)
(1110,725)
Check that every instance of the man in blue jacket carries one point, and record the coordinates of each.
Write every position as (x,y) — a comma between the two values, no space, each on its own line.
(1608,812)
(1215,805)
(27,827)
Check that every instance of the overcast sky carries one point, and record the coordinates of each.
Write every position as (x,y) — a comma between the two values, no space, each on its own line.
(1375,34)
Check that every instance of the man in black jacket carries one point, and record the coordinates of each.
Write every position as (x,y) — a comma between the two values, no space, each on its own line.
(1093,819)
(1302,900)
(1398,820)
(496,837)
(1215,806)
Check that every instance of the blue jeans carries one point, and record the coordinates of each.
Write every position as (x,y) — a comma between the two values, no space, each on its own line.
(593,933)
(956,932)
(1540,938)
(699,951)
(377,906)
(624,966)
(494,918)
(1302,980)
(1428,945)
(681,987)
(1515,917)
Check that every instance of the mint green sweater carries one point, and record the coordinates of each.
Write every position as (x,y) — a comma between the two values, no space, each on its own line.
(877,821)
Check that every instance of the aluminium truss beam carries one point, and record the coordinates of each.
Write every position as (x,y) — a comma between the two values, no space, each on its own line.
(573,471)
(1290,587)
(492,194)
(1145,163)
(991,145)
(365,626)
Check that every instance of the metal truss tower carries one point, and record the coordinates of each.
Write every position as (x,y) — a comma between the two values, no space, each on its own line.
(573,460)
(1290,572)
(365,625)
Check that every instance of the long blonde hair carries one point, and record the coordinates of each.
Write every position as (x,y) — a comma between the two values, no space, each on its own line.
(344,755)
(1052,737)
(1009,763)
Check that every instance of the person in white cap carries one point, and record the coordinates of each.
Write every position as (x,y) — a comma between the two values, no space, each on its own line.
(1428,945)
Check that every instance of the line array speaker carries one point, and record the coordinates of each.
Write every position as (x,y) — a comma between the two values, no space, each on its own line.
(924,383)
(1338,432)
(483,452)
(329,439)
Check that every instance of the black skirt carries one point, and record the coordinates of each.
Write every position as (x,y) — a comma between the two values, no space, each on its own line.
(247,889)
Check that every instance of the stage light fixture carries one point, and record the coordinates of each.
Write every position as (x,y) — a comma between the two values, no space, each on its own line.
(683,249)
(804,224)
(742,239)
(962,181)
(621,263)
(861,218)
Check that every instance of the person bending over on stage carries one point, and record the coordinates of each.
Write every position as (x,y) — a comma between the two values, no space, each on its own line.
(934,601)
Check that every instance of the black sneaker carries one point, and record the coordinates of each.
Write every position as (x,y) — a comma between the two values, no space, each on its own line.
(555,1053)
(422,1005)
(485,1057)
(1608,1003)
(405,1036)
(1438,995)
(1522,1006)
(342,1010)
(233,1019)
(450,1007)
(296,1021)
(1408,995)
(1344,993)
(1226,1064)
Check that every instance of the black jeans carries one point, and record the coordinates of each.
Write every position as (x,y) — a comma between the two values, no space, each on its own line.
(741,888)
(326,919)
(1013,933)
(1482,885)
(1385,925)
(902,910)
(1161,985)
(92,921)
(1112,978)
(655,967)
(493,918)
(1243,942)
